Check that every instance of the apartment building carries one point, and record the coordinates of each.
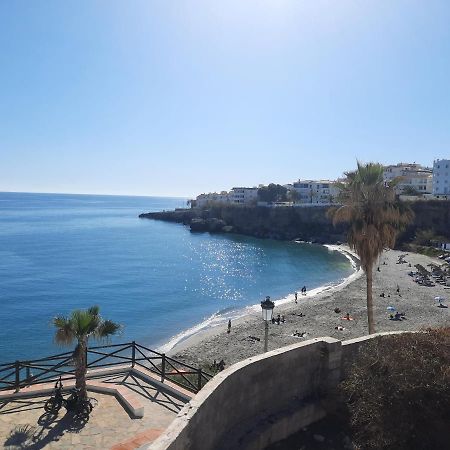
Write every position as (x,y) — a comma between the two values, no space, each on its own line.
(244,195)
(411,178)
(441,177)
(319,192)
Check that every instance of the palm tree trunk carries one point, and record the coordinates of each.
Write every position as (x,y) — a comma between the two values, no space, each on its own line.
(80,369)
(370,300)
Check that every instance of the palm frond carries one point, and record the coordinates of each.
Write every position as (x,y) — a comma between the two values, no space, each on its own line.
(106,329)
(370,209)
(64,334)
(81,324)
(94,310)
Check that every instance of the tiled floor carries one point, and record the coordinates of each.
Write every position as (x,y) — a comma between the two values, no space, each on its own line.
(25,425)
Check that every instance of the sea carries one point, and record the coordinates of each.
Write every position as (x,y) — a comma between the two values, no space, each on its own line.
(60,252)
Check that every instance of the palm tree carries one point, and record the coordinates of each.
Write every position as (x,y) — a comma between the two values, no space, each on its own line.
(79,327)
(374,216)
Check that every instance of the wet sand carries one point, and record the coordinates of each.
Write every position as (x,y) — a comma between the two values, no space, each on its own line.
(417,302)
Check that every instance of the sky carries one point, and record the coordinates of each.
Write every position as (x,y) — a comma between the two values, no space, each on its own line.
(176,98)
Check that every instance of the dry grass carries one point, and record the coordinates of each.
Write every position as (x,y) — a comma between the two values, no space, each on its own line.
(398,392)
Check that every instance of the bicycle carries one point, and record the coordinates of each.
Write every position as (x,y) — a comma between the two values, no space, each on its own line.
(73,404)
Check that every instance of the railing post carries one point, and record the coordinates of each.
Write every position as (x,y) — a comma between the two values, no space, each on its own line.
(133,354)
(199,379)
(163,367)
(28,374)
(17,373)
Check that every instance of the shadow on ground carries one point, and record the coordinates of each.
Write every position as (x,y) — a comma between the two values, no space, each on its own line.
(49,428)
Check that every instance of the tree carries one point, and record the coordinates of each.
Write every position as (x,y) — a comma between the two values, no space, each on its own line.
(374,216)
(292,195)
(410,190)
(272,193)
(79,327)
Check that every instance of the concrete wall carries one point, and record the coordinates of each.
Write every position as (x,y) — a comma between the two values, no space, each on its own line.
(263,399)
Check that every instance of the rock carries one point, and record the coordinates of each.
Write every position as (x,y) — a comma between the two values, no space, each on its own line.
(318,438)
(347,442)
(198,225)
(215,225)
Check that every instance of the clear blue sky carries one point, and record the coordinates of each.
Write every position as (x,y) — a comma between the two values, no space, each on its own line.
(182,97)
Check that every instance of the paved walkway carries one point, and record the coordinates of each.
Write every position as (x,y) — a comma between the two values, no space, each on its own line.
(25,425)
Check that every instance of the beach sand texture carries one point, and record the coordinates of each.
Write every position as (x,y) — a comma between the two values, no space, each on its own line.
(417,302)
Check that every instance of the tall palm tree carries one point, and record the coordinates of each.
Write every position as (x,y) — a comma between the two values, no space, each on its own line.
(79,327)
(374,216)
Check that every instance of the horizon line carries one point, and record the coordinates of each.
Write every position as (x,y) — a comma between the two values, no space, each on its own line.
(104,195)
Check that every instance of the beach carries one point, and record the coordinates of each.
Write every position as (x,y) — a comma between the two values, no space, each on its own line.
(246,336)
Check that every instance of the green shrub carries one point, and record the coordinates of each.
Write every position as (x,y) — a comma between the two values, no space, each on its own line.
(398,392)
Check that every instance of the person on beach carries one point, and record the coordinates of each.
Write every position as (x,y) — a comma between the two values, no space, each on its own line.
(296,296)
(298,334)
(304,290)
(278,319)
(282,319)
(229,326)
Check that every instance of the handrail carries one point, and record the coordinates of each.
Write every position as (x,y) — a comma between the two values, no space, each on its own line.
(52,367)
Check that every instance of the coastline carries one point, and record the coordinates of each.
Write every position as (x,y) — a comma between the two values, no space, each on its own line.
(319,319)
(215,324)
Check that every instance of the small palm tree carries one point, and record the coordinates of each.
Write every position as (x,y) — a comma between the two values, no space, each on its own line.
(79,327)
(375,217)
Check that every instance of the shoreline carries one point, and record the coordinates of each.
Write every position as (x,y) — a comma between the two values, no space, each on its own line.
(214,324)
(319,318)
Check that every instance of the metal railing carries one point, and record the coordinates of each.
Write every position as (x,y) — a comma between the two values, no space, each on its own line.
(20,374)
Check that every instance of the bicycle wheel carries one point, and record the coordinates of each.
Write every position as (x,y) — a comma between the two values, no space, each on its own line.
(52,405)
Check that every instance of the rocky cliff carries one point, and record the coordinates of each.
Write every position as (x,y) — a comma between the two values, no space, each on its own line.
(287,223)
(310,224)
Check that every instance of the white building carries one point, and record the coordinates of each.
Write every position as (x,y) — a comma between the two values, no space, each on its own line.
(244,195)
(319,192)
(412,178)
(441,177)
(204,200)
(237,195)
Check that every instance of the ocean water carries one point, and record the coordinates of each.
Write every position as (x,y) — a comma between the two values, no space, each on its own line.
(62,252)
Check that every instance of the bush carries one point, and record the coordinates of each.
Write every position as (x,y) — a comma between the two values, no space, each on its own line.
(398,392)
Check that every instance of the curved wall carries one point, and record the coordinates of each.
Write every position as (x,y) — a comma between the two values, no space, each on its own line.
(263,399)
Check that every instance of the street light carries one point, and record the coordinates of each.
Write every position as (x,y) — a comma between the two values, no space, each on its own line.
(267,312)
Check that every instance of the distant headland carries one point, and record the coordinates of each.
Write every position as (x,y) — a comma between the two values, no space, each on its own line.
(311,224)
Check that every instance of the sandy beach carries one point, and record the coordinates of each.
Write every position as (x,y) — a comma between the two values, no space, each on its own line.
(320,319)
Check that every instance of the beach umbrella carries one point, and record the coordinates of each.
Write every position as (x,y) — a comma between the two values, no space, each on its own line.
(391,308)
(439,298)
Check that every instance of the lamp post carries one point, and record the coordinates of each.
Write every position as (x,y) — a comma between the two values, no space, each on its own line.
(267,311)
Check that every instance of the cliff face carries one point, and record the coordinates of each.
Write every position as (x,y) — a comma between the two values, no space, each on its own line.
(308,223)
(429,215)
(276,223)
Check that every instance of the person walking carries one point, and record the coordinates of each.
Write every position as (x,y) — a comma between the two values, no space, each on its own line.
(229,326)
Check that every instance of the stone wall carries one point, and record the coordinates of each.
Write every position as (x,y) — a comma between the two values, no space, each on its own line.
(263,399)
